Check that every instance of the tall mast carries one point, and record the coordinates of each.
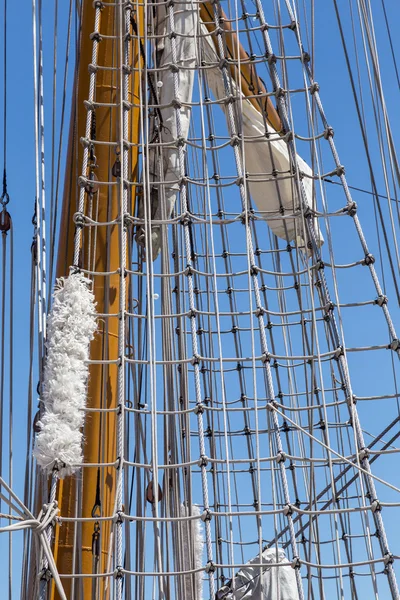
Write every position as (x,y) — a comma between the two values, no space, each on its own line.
(93,492)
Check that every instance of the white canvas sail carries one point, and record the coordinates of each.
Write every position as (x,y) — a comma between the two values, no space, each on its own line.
(263,155)
(273,197)
(164,163)
(268,583)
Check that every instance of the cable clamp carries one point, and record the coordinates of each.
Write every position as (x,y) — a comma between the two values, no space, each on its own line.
(376,506)
(127,220)
(292,25)
(119,572)
(288,510)
(289,136)
(89,106)
(127,105)
(351,400)
(280,92)
(174,68)
(126,69)
(195,360)
(363,454)
(308,212)
(330,307)
(85,142)
(340,170)
(368,260)
(329,132)
(351,209)
(79,219)
(95,37)
(98,4)
(235,140)
(265,357)
(280,457)
(203,461)
(260,311)
(271,58)
(296,563)
(388,559)
(381,300)
(395,345)
(338,353)
(46,575)
(119,518)
(206,515)
(199,409)
(254,270)
(306,57)
(210,567)
(176,103)
(314,88)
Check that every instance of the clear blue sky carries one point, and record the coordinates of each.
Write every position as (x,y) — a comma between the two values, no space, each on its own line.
(331,73)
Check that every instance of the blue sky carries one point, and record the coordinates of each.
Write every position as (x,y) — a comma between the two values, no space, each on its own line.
(336,95)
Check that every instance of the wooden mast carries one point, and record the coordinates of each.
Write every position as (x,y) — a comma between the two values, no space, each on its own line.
(251,84)
(100,428)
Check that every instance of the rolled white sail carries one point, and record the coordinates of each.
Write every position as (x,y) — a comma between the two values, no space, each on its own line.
(164,164)
(266,583)
(274,198)
(278,195)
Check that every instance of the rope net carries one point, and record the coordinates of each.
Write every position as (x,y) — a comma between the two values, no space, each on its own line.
(247,347)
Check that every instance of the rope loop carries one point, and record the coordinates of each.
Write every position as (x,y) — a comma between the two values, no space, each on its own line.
(5,198)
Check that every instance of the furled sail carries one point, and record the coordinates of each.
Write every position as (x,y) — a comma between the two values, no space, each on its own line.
(276,196)
(264,152)
(270,583)
(163,161)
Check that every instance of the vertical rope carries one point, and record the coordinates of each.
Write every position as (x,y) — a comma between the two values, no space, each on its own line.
(89,118)
(123,20)
(252,267)
(210,568)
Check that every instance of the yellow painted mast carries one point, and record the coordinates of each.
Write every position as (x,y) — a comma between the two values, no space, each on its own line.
(100,432)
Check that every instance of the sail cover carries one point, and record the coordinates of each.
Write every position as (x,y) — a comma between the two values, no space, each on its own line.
(275,583)
(163,163)
(274,196)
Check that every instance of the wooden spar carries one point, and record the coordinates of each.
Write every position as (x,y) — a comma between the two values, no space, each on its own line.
(100,432)
(251,84)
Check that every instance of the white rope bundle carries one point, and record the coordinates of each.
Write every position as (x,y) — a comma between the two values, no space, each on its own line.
(71,327)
